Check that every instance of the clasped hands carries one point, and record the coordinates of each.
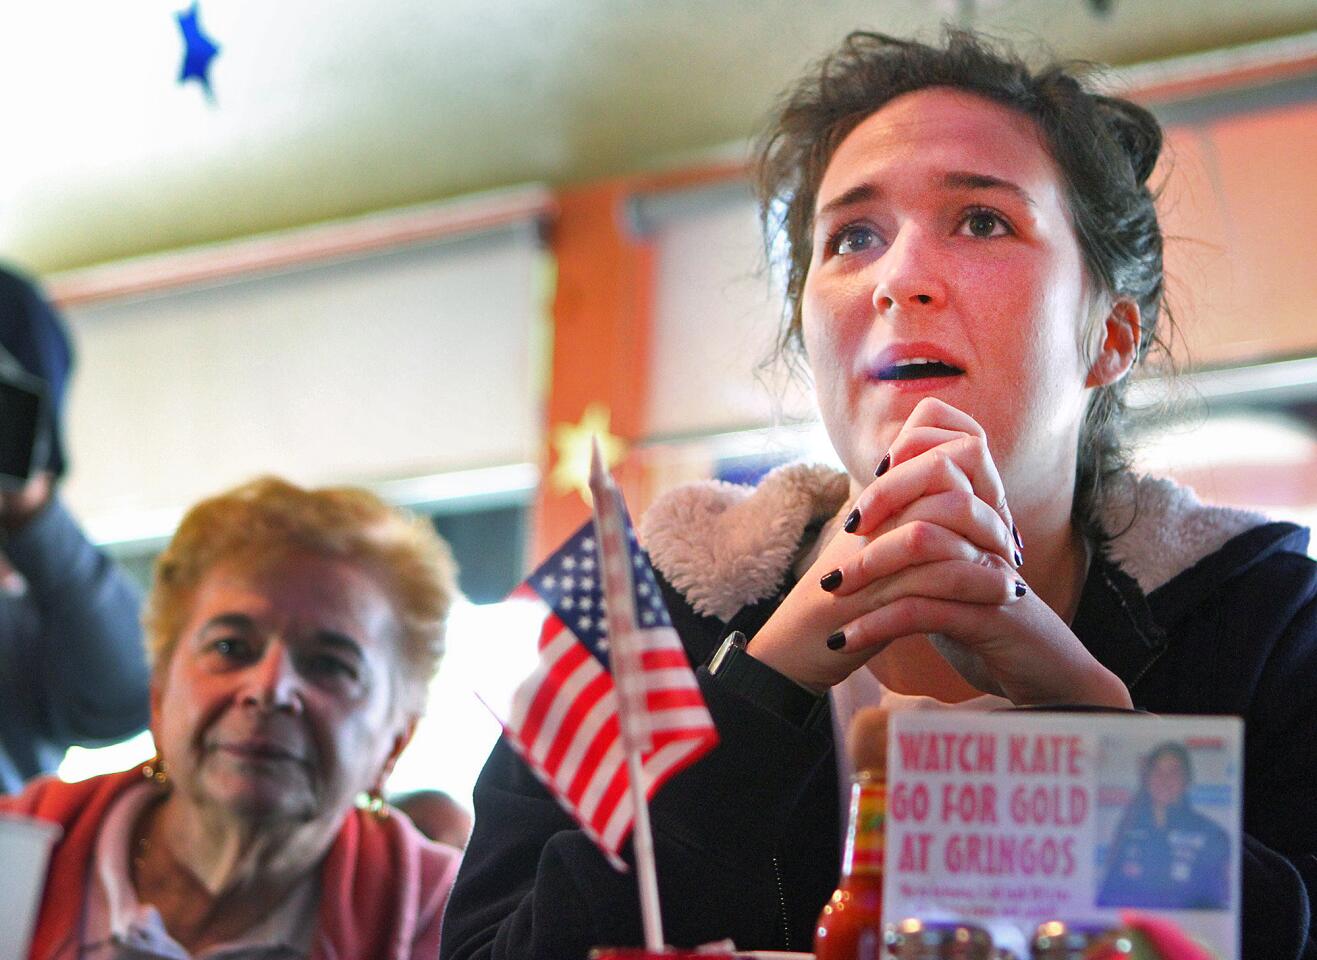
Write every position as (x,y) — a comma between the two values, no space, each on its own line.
(930,547)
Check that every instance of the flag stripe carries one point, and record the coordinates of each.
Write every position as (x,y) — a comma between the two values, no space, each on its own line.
(665,659)
(530,689)
(611,764)
(658,681)
(660,701)
(573,683)
(559,671)
(581,708)
(600,744)
(613,794)
(585,735)
(672,723)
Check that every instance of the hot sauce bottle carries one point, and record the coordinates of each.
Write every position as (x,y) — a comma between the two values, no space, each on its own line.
(851,924)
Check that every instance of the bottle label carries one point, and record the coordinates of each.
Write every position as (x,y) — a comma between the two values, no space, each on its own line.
(864,842)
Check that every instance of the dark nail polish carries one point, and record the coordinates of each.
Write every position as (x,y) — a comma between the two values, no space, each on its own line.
(830,581)
(852,521)
(1018,558)
(837,641)
(1020,588)
(883,464)
(1015,532)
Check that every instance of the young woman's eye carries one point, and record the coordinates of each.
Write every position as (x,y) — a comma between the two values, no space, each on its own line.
(984,224)
(853,238)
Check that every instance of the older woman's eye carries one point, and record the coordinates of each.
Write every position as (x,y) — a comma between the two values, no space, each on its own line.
(853,238)
(985,224)
(232,648)
(330,667)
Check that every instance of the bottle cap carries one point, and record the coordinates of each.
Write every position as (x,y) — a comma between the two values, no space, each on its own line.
(914,939)
(1062,940)
(867,741)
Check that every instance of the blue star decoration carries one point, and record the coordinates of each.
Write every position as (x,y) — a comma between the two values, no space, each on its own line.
(199,49)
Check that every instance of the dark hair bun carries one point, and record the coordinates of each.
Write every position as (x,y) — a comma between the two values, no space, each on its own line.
(1137,131)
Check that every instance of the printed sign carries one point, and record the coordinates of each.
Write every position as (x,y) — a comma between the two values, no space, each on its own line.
(1010,819)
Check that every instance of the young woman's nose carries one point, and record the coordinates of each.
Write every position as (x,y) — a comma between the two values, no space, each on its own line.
(272,683)
(908,275)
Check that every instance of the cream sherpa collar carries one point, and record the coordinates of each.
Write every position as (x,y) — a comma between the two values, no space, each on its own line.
(725,546)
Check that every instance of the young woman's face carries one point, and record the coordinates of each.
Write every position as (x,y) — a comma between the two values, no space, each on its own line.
(1167,780)
(945,264)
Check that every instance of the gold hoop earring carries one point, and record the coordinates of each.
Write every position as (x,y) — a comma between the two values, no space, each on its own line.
(376,805)
(155,771)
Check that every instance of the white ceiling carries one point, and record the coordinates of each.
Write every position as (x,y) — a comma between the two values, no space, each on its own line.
(328,109)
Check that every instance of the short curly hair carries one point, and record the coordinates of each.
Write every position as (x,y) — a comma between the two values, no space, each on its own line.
(261,521)
(1105,148)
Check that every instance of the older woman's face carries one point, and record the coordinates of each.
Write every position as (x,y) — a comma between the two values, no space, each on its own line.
(942,234)
(279,698)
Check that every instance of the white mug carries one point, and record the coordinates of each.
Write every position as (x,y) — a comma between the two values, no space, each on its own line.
(24,849)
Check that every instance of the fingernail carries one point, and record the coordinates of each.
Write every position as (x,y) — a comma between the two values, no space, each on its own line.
(883,464)
(1020,588)
(1018,558)
(830,581)
(852,521)
(1015,532)
(837,641)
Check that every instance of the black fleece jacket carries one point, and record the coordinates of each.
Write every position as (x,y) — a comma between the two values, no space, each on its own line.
(747,838)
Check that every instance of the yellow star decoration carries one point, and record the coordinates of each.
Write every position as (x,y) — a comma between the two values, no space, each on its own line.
(571,441)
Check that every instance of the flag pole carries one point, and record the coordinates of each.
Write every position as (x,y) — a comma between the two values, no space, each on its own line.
(623,656)
(646,874)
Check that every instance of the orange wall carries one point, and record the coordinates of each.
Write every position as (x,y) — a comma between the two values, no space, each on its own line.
(1239,211)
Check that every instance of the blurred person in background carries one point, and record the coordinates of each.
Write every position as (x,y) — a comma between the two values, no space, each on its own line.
(293,634)
(437,815)
(973,266)
(72,669)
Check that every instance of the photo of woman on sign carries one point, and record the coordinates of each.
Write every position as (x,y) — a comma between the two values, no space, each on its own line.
(1165,854)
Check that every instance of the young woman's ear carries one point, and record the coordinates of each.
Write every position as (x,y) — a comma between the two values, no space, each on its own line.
(1118,346)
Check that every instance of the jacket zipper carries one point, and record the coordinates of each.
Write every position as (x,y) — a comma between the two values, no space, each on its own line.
(1125,609)
(782,906)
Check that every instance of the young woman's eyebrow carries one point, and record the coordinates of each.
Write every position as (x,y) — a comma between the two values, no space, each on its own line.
(960,179)
(955,180)
(861,193)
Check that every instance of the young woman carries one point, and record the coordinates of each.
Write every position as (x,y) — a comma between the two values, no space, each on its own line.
(1164,853)
(974,269)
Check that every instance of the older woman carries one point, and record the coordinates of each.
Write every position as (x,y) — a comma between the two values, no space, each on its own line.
(974,267)
(293,635)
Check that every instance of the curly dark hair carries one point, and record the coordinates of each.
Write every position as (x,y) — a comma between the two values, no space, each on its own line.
(1104,146)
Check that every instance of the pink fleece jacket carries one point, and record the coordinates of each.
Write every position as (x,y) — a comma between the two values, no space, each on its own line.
(384,885)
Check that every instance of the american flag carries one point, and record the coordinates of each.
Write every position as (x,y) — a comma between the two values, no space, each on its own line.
(563,719)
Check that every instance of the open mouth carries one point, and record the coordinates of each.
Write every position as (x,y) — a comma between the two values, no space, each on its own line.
(918,368)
